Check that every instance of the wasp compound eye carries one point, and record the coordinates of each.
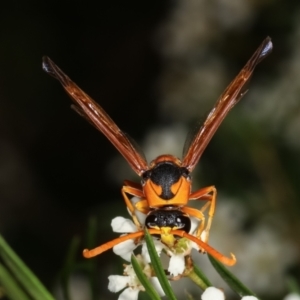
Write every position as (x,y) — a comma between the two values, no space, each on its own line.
(145,176)
(185,173)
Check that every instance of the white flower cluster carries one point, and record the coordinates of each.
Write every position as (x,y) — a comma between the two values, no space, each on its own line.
(213,293)
(292,296)
(125,250)
(131,283)
(176,265)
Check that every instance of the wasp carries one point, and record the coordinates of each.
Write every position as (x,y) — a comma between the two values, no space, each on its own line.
(166,184)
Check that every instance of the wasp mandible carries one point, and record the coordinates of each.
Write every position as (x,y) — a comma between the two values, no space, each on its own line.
(166,185)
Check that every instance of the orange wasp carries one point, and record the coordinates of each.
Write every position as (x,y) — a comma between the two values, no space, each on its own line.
(165,188)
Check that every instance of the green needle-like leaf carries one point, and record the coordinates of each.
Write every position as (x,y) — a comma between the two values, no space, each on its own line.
(230,279)
(143,279)
(158,268)
(11,287)
(90,264)
(205,283)
(24,275)
(70,263)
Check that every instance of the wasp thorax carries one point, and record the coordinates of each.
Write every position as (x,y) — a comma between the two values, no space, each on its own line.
(165,175)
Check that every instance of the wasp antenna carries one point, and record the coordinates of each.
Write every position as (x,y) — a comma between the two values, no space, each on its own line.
(98,250)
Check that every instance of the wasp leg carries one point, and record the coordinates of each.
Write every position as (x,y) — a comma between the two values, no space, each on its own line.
(197,214)
(135,190)
(98,250)
(104,247)
(209,194)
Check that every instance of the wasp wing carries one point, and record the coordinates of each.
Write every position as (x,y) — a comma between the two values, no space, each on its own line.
(195,146)
(96,115)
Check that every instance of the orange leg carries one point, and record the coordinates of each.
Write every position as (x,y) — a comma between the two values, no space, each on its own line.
(137,235)
(197,214)
(135,190)
(209,194)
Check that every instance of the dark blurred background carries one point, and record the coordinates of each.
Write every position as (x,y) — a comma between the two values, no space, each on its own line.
(154,67)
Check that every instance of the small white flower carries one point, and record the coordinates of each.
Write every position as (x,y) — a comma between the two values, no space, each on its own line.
(159,246)
(292,296)
(125,249)
(117,283)
(176,264)
(177,260)
(122,225)
(129,294)
(213,293)
(157,286)
(249,298)
(194,225)
(131,282)
(177,255)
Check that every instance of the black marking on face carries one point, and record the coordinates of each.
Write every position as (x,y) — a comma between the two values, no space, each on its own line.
(168,218)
